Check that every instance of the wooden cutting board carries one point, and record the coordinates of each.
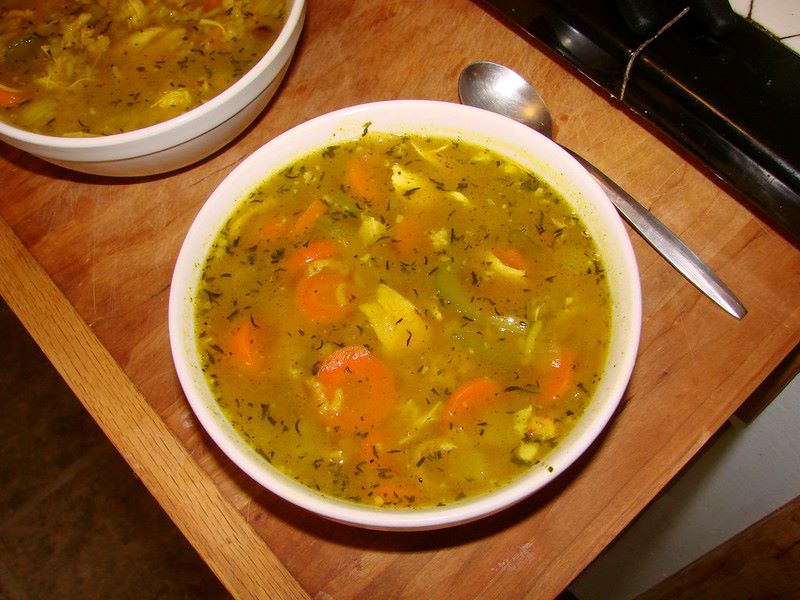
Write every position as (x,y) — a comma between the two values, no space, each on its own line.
(87,261)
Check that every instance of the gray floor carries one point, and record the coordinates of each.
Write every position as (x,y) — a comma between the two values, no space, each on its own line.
(74,521)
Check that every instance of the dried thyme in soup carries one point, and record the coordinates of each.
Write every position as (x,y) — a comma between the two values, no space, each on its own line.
(403,321)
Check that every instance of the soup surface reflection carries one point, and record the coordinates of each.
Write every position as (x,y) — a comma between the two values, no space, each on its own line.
(403,321)
(99,67)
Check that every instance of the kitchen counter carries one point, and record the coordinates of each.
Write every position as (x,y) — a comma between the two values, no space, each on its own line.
(86,263)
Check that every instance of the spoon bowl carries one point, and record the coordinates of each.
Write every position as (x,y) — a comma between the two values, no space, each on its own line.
(498,89)
(494,87)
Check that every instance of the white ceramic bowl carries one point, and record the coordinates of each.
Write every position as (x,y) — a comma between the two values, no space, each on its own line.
(180,141)
(520,143)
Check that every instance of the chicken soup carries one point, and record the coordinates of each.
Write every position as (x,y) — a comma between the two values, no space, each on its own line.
(403,321)
(100,67)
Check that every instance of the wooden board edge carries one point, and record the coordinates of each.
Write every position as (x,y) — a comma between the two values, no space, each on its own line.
(238,556)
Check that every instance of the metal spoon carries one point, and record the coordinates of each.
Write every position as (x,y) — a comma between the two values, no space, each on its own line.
(499,89)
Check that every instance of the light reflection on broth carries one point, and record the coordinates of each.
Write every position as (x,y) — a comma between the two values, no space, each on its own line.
(403,321)
(100,67)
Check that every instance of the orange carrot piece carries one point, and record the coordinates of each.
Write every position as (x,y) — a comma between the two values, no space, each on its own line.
(408,237)
(470,396)
(511,257)
(560,377)
(325,297)
(209,5)
(10,97)
(309,217)
(373,445)
(247,345)
(320,249)
(366,386)
(357,179)
(274,229)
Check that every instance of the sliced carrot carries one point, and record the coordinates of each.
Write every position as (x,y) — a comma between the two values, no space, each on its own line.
(511,257)
(325,297)
(274,229)
(358,180)
(471,396)
(248,345)
(559,378)
(364,385)
(408,237)
(309,217)
(373,448)
(319,249)
(209,5)
(10,97)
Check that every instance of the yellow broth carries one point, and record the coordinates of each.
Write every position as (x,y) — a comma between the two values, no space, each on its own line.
(403,321)
(100,67)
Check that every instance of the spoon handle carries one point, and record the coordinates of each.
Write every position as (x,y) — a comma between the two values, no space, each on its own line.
(666,243)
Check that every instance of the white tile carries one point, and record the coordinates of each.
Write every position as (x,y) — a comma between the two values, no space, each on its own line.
(779,17)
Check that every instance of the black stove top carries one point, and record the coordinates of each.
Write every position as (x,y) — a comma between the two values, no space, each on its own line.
(725,89)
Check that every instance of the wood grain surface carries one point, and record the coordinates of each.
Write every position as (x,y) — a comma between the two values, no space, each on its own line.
(164,465)
(88,263)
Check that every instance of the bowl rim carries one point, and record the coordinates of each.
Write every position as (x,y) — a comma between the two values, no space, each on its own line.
(294,18)
(475,124)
